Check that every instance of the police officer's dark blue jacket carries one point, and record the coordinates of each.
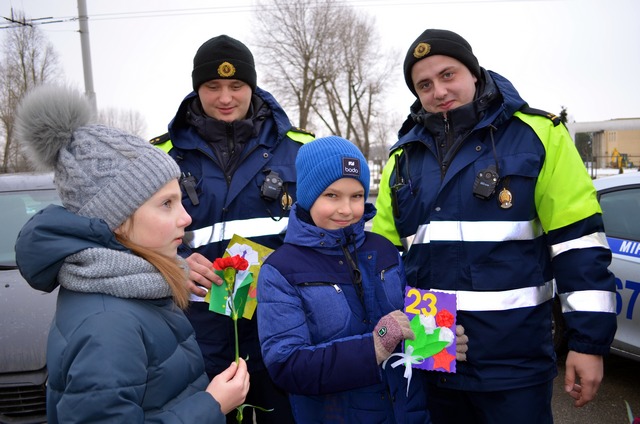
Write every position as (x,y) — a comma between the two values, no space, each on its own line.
(224,168)
(504,254)
(316,329)
(111,359)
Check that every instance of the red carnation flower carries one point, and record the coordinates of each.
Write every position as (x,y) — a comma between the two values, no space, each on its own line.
(236,262)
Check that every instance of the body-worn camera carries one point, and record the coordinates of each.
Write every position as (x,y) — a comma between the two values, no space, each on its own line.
(188,184)
(485,183)
(272,186)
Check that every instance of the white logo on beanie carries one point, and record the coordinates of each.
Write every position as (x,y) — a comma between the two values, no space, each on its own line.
(350,167)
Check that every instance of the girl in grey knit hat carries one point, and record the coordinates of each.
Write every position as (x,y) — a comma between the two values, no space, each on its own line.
(120,348)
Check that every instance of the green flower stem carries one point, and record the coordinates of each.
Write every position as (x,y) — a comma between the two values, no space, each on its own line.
(230,279)
(229,274)
(234,317)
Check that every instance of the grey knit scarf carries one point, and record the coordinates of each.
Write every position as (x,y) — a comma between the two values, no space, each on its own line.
(116,273)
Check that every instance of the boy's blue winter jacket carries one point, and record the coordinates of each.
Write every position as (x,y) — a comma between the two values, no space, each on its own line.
(316,330)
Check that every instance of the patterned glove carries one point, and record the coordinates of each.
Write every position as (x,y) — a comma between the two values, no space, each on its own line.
(390,330)
(461,344)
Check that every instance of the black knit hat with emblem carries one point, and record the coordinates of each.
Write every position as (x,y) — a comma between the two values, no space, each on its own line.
(223,57)
(439,42)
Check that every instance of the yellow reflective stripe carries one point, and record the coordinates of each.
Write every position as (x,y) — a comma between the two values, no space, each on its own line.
(225,230)
(383,222)
(589,301)
(584,242)
(505,300)
(165,147)
(564,191)
(475,231)
(300,137)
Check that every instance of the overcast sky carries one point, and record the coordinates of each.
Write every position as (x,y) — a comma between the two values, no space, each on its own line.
(581,54)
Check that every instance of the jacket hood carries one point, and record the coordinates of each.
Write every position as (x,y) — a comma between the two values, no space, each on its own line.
(59,233)
(179,121)
(303,233)
(498,100)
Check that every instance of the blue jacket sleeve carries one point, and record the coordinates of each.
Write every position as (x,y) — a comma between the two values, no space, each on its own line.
(580,257)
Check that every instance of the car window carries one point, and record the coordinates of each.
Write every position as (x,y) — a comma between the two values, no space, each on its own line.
(17,208)
(620,211)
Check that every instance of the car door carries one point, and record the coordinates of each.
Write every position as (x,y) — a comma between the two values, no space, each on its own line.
(621,214)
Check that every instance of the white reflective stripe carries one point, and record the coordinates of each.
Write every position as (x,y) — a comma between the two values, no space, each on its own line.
(589,301)
(246,228)
(475,231)
(584,242)
(503,300)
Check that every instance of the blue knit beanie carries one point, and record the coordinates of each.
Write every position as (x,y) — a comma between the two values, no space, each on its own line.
(322,161)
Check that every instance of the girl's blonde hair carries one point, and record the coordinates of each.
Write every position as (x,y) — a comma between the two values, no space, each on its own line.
(170,268)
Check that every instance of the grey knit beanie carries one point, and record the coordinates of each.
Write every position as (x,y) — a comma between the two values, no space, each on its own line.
(99,172)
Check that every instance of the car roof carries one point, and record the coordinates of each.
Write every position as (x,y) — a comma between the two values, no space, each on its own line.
(629,178)
(26,181)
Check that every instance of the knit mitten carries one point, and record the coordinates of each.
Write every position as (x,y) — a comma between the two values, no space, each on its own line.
(390,330)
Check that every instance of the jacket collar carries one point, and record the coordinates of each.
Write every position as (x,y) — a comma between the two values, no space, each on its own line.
(179,124)
(303,232)
(59,233)
(496,101)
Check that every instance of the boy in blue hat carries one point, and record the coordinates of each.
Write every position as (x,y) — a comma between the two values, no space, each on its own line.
(331,298)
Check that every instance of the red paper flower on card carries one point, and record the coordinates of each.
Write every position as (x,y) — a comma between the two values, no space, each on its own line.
(444,318)
(253,292)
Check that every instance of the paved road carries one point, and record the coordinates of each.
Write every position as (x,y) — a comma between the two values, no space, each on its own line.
(621,382)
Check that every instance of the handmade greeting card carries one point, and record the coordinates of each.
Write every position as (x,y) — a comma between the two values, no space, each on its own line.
(432,315)
(239,268)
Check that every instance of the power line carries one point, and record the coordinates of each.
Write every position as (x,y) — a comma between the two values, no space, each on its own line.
(241,9)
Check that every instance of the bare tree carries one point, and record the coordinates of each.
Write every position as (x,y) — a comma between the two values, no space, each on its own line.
(295,50)
(324,61)
(28,60)
(130,121)
(355,88)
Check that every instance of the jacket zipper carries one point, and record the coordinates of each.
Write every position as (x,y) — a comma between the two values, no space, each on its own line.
(334,285)
(444,165)
(383,271)
(447,135)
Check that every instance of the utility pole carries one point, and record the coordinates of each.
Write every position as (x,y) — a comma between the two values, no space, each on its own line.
(83,19)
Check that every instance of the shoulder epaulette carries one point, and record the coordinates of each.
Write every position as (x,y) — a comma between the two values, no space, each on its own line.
(533,111)
(300,135)
(160,139)
(302,130)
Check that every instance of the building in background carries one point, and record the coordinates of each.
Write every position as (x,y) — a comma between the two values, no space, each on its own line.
(608,144)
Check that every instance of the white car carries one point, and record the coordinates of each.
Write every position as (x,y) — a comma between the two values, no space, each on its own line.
(619,197)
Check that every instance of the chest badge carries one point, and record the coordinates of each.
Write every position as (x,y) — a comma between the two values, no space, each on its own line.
(505,198)
(286,201)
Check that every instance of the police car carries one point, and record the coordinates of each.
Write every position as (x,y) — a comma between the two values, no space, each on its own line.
(619,197)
